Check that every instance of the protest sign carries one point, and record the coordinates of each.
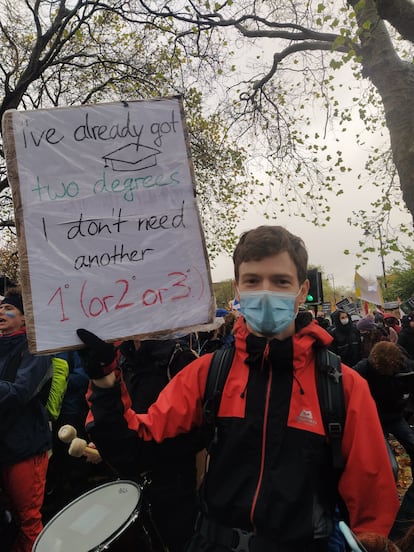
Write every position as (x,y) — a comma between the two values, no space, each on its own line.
(109,233)
(346,305)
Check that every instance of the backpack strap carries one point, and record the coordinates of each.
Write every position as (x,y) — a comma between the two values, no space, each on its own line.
(331,400)
(216,379)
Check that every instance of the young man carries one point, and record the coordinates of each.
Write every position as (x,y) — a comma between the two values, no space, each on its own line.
(270,484)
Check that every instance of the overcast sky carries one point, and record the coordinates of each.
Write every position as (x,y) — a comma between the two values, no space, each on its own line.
(326,245)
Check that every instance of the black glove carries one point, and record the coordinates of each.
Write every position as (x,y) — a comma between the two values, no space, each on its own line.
(99,355)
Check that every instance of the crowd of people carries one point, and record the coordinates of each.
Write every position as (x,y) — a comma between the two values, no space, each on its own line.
(263,479)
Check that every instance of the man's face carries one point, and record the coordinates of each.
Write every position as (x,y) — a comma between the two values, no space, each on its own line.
(11,319)
(275,273)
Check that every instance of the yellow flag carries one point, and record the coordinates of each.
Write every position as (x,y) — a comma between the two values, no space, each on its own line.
(368,290)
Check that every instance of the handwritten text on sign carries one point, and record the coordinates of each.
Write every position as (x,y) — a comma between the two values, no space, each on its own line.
(111,228)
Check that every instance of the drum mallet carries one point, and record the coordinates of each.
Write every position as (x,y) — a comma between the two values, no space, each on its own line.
(77,447)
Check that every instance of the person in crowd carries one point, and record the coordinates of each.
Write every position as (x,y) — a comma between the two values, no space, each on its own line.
(270,483)
(346,338)
(323,320)
(221,312)
(387,330)
(370,334)
(208,342)
(147,367)
(221,336)
(392,322)
(390,377)
(226,330)
(303,318)
(406,335)
(25,436)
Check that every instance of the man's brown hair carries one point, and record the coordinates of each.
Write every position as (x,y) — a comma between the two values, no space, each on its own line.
(265,241)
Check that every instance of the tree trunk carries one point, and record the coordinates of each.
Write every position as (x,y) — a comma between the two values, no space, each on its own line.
(394,80)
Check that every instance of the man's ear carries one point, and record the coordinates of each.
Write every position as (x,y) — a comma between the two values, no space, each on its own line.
(304,291)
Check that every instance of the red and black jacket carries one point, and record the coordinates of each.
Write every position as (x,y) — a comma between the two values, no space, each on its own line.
(270,469)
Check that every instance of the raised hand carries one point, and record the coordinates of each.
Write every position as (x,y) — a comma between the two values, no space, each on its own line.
(98,356)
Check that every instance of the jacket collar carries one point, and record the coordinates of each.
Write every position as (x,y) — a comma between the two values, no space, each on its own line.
(299,347)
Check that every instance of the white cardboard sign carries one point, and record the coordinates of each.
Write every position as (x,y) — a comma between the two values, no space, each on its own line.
(109,232)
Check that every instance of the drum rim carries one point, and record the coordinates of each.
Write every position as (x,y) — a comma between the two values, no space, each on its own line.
(83,495)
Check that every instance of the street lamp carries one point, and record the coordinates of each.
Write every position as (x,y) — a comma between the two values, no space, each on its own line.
(333,286)
(381,250)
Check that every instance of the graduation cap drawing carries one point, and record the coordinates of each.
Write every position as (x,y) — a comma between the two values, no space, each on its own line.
(132,157)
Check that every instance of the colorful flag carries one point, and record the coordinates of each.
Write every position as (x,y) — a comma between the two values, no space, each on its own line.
(368,290)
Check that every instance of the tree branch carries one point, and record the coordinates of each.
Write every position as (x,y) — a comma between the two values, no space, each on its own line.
(400,14)
(280,56)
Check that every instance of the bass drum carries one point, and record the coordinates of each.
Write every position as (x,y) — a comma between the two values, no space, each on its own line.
(110,517)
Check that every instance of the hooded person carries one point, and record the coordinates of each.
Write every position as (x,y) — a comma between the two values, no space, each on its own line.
(346,338)
(370,334)
(386,329)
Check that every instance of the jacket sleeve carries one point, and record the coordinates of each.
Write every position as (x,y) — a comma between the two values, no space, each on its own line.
(367,483)
(31,373)
(119,432)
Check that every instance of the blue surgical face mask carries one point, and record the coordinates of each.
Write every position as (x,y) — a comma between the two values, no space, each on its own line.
(268,312)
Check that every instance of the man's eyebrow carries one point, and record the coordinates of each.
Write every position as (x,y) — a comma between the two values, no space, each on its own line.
(275,275)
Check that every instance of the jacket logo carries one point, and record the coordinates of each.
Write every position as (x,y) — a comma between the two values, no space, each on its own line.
(306,417)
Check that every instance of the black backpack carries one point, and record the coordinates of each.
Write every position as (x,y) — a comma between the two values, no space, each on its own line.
(330,392)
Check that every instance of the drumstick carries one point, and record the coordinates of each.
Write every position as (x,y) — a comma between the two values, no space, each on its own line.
(67,433)
(78,448)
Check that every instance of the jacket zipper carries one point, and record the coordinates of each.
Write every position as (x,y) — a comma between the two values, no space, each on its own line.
(264,434)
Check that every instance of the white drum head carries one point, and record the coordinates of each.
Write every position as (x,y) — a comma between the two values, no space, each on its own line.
(91,519)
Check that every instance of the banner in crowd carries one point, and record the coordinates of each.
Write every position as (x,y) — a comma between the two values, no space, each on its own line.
(369,291)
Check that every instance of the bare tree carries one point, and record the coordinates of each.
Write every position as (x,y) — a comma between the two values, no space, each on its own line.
(63,52)
(310,40)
